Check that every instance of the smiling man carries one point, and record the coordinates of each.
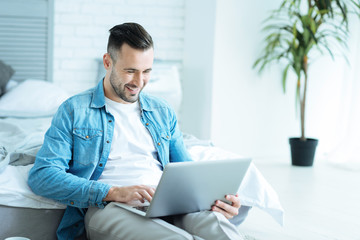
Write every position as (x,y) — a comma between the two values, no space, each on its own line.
(107,145)
(129,75)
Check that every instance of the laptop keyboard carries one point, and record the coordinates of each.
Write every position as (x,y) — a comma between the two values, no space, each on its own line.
(142,208)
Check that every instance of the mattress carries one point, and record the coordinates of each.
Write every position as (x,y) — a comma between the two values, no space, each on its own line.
(29,222)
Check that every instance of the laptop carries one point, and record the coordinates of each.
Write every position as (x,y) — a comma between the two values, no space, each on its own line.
(187,187)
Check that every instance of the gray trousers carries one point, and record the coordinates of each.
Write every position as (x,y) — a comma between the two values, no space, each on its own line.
(114,222)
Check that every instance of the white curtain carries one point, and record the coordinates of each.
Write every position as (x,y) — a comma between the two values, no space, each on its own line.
(347,152)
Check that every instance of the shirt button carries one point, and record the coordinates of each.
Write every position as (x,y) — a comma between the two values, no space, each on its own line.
(72,203)
(87,136)
(159,144)
(107,141)
(110,121)
(100,165)
(147,124)
(167,136)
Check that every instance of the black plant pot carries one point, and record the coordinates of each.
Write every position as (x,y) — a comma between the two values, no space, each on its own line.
(303,152)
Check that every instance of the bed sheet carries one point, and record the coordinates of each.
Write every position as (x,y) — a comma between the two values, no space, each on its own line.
(21,138)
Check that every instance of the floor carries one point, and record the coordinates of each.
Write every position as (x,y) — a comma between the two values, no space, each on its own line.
(320,202)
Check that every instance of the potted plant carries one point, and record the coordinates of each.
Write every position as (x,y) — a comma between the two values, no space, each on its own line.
(296,31)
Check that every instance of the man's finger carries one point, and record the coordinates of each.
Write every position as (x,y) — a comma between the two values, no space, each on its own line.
(220,210)
(234,199)
(150,190)
(136,196)
(145,195)
(227,207)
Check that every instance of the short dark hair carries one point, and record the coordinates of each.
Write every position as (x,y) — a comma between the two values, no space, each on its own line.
(132,34)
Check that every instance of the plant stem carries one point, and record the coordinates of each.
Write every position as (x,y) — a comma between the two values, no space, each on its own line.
(302,106)
(303,100)
(309,4)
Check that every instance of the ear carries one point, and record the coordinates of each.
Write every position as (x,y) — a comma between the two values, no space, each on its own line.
(107,61)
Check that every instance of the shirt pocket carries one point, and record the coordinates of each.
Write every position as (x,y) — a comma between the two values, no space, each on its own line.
(87,144)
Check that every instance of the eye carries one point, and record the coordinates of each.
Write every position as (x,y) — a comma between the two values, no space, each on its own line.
(147,71)
(130,71)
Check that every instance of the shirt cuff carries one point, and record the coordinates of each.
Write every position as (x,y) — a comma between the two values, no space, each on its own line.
(98,192)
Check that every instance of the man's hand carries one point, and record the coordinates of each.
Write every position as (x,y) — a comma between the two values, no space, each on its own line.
(228,210)
(129,194)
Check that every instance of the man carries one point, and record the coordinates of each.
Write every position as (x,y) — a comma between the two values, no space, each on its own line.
(110,144)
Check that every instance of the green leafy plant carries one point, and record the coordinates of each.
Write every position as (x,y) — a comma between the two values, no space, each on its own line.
(299,30)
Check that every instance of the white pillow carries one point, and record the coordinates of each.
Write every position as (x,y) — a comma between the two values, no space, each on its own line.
(10,85)
(32,98)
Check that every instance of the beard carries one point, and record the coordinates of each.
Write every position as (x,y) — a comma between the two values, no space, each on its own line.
(120,89)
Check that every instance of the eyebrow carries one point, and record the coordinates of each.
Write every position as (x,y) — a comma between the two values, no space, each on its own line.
(134,69)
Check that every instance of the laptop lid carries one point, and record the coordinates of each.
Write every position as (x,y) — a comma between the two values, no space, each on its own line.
(187,187)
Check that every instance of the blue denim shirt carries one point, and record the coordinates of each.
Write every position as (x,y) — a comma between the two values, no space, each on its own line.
(76,148)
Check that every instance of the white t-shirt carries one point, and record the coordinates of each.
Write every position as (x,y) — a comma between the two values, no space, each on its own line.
(133,156)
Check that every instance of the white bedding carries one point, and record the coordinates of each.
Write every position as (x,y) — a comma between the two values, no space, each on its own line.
(15,192)
(20,139)
(28,136)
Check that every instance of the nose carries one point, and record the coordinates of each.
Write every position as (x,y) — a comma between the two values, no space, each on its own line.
(140,79)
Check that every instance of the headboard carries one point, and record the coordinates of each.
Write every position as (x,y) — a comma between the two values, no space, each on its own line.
(26,37)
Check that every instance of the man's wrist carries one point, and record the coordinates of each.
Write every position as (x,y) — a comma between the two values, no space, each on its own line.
(108,196)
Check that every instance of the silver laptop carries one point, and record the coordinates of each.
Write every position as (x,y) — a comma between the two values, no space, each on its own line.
(187,187)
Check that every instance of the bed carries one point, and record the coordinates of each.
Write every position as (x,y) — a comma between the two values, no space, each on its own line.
(21,135)
(26,110)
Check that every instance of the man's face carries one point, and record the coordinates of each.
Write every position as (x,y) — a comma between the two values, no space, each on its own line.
(130,73)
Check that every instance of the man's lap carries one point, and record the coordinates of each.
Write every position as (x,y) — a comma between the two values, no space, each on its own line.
(114,222)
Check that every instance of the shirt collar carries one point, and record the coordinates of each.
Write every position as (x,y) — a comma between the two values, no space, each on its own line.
(145,103)
(98,98)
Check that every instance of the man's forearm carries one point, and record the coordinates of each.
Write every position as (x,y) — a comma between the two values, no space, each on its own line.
(54,183)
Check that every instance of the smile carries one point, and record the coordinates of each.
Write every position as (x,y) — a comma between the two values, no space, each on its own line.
(132,89)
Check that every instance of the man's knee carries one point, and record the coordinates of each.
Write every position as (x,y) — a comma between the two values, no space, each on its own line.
(208,225)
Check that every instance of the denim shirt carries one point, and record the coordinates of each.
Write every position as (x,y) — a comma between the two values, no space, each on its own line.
(76,148)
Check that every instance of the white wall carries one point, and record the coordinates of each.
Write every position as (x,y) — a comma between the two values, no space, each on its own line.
(81,32)
(250,114)
(224,98)
(197,67)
